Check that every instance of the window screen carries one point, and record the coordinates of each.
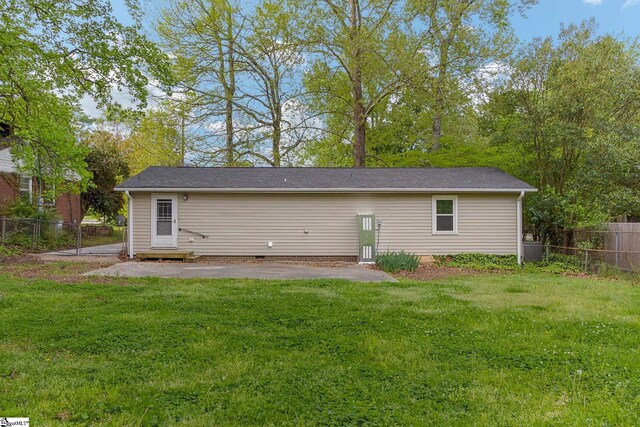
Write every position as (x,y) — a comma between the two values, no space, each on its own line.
(25,186)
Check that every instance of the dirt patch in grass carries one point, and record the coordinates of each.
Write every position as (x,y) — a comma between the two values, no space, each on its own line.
(87,259)
(430,272)
(33,267)
(18,260)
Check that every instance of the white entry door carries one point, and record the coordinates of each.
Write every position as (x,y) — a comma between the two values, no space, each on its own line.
(164,221)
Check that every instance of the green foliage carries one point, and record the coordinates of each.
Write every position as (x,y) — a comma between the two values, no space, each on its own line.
(392,262)
(156,140)
(352,40)
(51,55)
(108,167)
(561,263)
(23,208)
(20,241)
(50,234)
(8,251)
(556,263)
(570,113)
(239,66)
(478,261)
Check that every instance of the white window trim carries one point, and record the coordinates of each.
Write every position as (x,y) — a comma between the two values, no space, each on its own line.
(30,186)
(434,214)
(154,216)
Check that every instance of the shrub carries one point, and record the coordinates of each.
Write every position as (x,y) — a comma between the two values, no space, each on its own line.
(561,263)
(392,262)
(23,208)
(54,239)
(478,261)
(6,251)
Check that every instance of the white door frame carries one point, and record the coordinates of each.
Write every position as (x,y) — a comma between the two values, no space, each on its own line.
(164,241)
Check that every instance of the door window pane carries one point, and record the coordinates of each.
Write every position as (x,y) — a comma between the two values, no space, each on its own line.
(164,217)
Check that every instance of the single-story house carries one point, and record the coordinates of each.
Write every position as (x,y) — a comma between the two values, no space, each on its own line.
(320,212)
(14,185)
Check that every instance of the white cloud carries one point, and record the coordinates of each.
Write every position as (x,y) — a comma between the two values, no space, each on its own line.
(123,97)
(630,3)
(594,2)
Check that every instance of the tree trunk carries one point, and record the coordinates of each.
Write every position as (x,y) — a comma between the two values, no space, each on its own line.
(438,108)
(275,142)
(230,92)
(183,148)
(359,119)
(359,122)
(228,152)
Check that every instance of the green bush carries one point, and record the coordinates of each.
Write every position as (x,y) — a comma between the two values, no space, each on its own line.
(478,261)
(23,208)
(51,238)
(6,251)
(392,262)
(561,263)
(22,240)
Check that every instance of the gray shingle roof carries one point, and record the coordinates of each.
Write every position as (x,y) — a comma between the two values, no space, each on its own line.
(318,179)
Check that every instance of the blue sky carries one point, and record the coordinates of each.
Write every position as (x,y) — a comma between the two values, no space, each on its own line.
(613,16)
(544,19)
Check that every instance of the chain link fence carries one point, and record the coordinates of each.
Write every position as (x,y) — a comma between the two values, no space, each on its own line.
(615,247)
(59,237)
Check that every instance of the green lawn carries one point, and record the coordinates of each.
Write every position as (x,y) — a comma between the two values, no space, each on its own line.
(520,349)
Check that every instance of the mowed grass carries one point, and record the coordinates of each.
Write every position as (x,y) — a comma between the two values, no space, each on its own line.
(518,349)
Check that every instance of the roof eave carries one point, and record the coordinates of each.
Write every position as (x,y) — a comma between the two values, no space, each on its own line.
(325,190)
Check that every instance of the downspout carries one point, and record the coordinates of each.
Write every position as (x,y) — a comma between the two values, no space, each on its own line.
(519,227)
(129,224)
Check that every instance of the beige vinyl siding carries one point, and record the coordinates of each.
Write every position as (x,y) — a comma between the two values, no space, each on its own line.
(141,221)
(242,224)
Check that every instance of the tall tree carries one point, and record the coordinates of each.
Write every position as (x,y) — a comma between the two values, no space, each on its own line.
(158,138)
(52,54)
(364,53)
(465,35)
(572,109)
(202,35)
(271,54)
(108,168)
(245,88)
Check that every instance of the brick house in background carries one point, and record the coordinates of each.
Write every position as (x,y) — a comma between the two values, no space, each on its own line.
(14,185)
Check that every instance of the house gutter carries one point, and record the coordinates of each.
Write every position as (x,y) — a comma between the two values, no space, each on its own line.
(519,227)
(129,224)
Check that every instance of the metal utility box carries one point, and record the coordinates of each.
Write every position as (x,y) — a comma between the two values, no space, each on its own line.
(366,238)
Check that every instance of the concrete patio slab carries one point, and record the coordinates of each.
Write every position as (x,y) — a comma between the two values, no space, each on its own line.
(268,271)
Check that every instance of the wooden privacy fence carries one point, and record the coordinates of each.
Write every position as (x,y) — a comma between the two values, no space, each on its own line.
(618,244)
(623,240)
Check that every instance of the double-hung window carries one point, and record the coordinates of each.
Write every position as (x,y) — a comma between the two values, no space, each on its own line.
(445,214)
(26,187)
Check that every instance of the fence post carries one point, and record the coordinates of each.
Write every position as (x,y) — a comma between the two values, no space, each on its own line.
(617,248)
(34,236)
(586,261)
(79,240)
(4,228)
(547,250)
